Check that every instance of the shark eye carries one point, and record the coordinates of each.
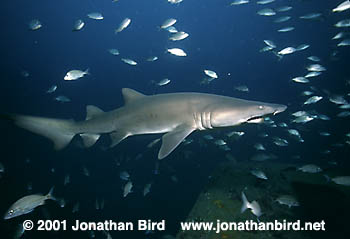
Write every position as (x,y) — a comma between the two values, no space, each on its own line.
(261,107)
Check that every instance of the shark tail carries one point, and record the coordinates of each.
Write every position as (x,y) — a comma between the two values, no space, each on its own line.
(59,131)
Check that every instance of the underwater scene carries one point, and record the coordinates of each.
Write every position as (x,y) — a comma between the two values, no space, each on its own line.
(175,119)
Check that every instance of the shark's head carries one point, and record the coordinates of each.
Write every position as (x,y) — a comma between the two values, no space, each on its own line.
(235,112)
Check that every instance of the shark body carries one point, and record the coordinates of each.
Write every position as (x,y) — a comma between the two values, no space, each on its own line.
(175,114)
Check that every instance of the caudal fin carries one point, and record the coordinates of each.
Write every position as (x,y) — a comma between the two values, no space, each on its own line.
(61,132)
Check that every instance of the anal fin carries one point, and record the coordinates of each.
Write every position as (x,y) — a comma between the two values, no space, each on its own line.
(89,139)
(117,137)
(172,139)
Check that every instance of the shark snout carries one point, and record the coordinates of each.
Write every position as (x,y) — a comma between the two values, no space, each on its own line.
(279,109)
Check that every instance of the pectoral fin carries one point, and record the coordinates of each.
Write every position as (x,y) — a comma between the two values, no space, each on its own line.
(172,139)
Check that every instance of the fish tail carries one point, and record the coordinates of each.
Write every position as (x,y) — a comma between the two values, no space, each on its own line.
(87,71)
(60,131)
(50,194)
(245,203)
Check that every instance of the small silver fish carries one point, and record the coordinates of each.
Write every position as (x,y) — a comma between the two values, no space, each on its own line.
(266,48)
(129,61)
(264,1)
(124,176)
(302,47)
(345,42)
(342,180)
(315,67)
(280,142)
(152,58)
(124,24)
(208,137)
(220,142)
(35,24)
(288,200)
(307,93)
(174,1)
(259,146)
(339,35)
(282,19)
(78,25)
(178,36)
(313,74)
(171,29)
(239,2)
(338,99)
(299,113)
(62,99)
(310,168)
(314,58)
(51,89)
(270,43)
(259,174)
(266,12)
(95,15)
(284,9)
(75,74)
(286,51)
(343,23)
(163,82)
(300,79)
(177,52)
(313,99)
(286,29)
(311,16)
(114,51)
(127,188)
(168,23)
(211,74)
(27,204)
(342,7)
(242,88)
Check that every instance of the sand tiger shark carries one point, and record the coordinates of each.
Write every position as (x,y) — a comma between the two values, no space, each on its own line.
(176,115)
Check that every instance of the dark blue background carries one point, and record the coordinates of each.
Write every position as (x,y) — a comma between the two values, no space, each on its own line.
(222,38)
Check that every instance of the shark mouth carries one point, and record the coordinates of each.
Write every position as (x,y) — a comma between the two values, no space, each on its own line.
(255,120)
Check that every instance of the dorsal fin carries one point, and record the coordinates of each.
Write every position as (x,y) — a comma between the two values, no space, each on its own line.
(130,95)
(92,111)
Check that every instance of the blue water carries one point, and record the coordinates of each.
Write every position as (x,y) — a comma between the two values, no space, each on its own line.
(223,38)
